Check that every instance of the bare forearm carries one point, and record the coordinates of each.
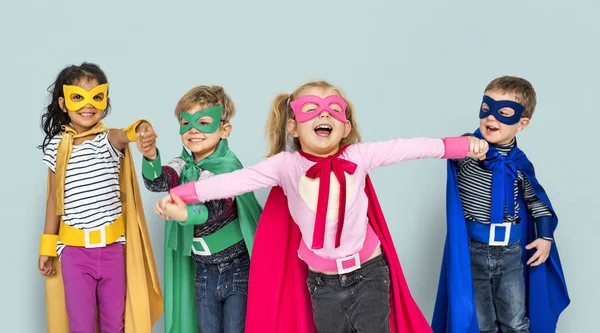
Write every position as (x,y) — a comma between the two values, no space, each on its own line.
(52,220)
(118,138)
(51,227)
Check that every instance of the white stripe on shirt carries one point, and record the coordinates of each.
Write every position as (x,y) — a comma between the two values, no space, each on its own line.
(92,192)
(475,187)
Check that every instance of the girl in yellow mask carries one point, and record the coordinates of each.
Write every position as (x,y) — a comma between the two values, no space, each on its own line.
(94,219)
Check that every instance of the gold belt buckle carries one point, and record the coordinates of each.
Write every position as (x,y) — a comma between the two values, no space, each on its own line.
(86,237)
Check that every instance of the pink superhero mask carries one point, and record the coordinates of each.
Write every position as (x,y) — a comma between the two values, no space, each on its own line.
(323,104)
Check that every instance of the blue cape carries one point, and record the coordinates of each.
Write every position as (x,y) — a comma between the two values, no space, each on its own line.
(545,285)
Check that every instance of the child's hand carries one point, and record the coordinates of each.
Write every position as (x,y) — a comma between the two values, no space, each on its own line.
(542,253)
(175,209)
(146,141)
(46,266)
(159,208)
(477,148)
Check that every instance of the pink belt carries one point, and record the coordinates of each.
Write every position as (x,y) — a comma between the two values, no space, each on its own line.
(341,265)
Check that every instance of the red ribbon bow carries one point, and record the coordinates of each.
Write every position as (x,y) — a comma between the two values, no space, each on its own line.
(322,169)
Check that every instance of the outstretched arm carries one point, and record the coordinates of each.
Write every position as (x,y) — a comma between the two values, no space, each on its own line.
(262,175)
(377,154)
(119,138)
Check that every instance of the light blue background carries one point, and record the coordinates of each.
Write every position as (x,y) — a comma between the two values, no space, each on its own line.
(413,68)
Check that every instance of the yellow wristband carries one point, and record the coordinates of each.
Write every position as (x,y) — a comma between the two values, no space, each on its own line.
(48,245)
(130,130)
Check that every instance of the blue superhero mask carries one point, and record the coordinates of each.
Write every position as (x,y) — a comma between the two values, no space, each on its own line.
(509,116)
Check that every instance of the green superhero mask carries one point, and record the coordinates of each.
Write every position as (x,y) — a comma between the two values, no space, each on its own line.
(214,112)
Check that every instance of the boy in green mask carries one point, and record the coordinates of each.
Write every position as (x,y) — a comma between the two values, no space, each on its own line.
(214,243)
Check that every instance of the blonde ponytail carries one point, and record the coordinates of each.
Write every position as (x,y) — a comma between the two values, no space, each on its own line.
(276,124)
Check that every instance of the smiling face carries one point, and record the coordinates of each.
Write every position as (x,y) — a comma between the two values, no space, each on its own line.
(494,131)
(321,135)
(87,116)
(199,143)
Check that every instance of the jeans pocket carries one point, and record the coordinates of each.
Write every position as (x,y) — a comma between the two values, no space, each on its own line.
(240,282)
(477,247)
(379,273)
(200,282)
(513,248)
(312,286)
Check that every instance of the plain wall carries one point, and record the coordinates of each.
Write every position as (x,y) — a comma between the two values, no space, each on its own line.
(411,69)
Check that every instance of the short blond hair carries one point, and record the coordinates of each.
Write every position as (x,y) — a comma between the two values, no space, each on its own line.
(521,88)
(205,97)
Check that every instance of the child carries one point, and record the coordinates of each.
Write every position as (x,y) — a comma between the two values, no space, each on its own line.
(496,211)
(350,282)
(93,199)
(215,240)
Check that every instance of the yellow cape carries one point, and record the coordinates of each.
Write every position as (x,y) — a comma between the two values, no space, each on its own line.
(144,301)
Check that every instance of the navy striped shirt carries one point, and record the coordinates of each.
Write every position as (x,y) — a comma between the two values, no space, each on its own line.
(92,193)
(475,187)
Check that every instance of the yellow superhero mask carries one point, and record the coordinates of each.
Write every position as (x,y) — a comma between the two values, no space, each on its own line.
(77,97)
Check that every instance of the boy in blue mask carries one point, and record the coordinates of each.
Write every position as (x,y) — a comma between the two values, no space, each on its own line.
(501,269)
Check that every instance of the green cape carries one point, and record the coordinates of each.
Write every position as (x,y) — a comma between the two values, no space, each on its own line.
(181,315)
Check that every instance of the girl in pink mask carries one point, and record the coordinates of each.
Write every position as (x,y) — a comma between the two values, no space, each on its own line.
(323,259)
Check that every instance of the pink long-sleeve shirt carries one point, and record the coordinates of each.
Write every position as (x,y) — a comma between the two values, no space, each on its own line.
(288,169)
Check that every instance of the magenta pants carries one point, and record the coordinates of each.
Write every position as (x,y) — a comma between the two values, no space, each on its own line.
(95,283)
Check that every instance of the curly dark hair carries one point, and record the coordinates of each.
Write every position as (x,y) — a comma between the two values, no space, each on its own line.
(54,117)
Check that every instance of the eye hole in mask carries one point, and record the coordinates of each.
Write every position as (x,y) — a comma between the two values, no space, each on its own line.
(205,121)
(311,107)
(307,107)
(506,112)
(77,97)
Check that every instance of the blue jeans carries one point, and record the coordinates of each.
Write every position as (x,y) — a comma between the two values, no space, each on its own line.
(221,295)
(358,301)
(499,287)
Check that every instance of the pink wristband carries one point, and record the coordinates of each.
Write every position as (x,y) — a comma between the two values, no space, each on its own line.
(456,147)
(187,192)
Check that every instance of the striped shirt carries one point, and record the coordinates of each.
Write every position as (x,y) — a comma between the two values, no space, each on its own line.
(475,187)
(92,193)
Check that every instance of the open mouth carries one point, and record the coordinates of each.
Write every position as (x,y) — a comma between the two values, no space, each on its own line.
(323,130)
(492,128)
(195,140)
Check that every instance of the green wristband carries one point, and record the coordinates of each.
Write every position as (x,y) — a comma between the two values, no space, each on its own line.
(197,214)
(152,169)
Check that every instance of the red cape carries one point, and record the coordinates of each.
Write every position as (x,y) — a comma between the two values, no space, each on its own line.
(278,298)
